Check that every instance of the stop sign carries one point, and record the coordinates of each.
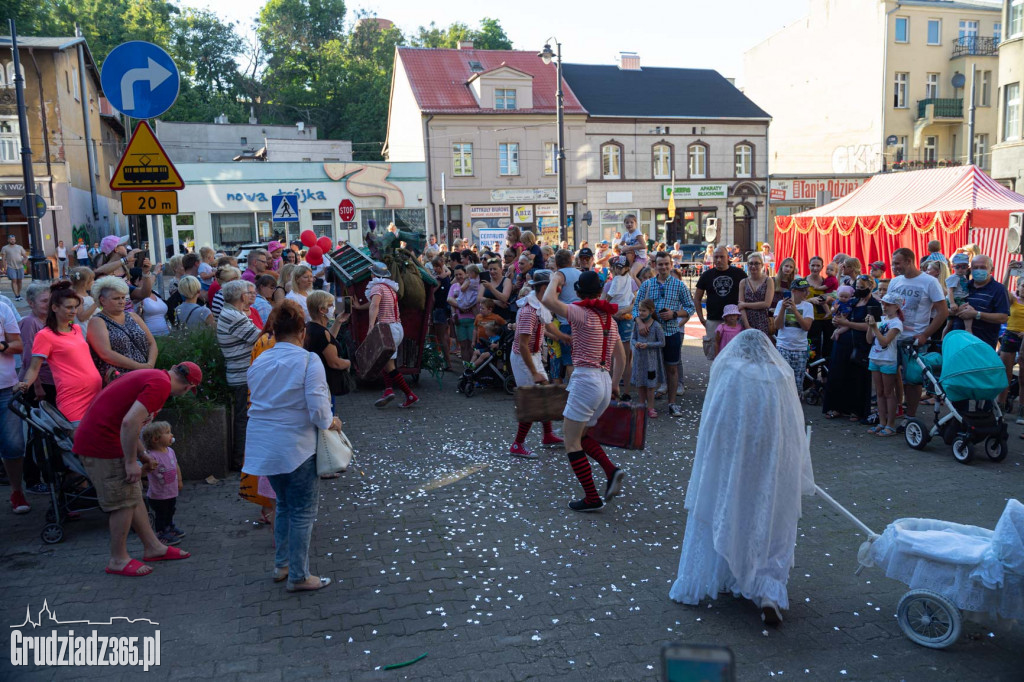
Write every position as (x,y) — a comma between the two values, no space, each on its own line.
(346,210)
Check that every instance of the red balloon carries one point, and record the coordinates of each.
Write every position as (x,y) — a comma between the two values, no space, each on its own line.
(325,244)
(308,238)
(315,255)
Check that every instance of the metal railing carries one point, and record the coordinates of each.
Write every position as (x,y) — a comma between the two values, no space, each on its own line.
(943,108)
(979,46)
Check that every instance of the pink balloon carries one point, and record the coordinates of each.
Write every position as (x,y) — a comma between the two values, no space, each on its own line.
(308,238)
(325,244)
(315,255)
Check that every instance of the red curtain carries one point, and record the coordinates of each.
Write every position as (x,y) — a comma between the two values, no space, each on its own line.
(867,246)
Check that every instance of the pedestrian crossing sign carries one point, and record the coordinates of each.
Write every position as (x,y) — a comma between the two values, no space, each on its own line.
(285,208)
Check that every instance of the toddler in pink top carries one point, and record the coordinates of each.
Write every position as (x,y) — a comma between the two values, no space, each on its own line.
(730,327)
(164,481)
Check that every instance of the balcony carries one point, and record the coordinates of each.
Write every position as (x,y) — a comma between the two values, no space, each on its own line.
(975,46)
(936,108)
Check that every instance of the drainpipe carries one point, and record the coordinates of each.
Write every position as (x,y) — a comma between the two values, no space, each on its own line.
(89,144)
(885,78)
(430,181)
(46,141)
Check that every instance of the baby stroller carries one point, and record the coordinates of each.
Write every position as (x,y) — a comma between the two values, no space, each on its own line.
(815,376)
(496,370)
(970,372)
(49,439)
(953,571)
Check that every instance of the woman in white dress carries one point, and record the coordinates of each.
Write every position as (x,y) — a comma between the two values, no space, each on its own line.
(743,500)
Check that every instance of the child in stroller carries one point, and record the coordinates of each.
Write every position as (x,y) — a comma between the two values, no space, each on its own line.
(494,369)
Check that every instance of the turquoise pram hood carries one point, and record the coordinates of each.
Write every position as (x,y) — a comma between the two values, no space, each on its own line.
(971,369)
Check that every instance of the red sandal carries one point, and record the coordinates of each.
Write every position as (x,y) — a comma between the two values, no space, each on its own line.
(131,569)
(173,554)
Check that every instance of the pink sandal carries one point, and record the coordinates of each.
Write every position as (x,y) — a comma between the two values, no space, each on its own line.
(652,413)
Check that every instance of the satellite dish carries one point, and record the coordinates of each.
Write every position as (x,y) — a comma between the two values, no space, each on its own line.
(959,80)
(1013,232)
(711,230)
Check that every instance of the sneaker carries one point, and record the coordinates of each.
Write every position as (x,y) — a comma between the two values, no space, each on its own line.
(38,489)
(584,506)
(177,531)
(614,485)
(168,538)
(520,450)
(551,439)
(675,411)
(385,398)
(1020,415)
(410,400)
(19,505)
(770,613)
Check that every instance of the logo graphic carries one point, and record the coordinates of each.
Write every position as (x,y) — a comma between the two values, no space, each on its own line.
(83,650)
(722,285)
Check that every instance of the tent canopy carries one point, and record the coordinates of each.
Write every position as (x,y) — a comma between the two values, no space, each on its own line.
(953,205)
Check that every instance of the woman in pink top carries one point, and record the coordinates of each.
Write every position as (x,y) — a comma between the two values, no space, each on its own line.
(64,348)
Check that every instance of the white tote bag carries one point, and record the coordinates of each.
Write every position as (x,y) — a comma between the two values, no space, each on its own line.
(333,452)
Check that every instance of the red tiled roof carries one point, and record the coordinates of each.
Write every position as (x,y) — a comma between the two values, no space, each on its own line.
(439,79)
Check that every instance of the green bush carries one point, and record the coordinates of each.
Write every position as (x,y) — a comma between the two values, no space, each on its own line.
(199,346)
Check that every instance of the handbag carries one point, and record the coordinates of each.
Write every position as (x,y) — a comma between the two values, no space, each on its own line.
(333,449)
(860,356)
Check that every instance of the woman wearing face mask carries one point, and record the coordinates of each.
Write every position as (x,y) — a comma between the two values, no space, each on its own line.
(848,391)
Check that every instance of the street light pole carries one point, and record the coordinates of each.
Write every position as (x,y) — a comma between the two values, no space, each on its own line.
(547,55)
(40,269)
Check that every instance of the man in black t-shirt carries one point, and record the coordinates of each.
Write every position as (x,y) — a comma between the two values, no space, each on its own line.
(722,286)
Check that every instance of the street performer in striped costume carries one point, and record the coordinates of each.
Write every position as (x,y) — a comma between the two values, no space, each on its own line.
(382,293)
(527,367)
(596,351)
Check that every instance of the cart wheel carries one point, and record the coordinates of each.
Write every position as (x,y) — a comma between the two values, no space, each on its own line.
(469,389)
(152,518)
(996,448)
(812,396)
(510,384)
(52,533)
(928,619)
(963,450)
(916,434)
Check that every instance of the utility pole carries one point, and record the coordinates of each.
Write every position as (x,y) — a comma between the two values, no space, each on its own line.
(40,266)
(563,218)
(970,119)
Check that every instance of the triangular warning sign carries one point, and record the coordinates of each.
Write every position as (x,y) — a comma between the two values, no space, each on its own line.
(285,211)
(145,164)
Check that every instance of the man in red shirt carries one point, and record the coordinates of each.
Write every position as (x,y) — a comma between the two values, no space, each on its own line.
(596,347)
(109,445)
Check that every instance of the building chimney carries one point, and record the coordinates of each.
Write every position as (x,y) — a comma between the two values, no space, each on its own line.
(629,61)
(252,116)
(465,44)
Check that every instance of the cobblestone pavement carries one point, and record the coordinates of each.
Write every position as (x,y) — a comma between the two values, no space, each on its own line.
(442,544)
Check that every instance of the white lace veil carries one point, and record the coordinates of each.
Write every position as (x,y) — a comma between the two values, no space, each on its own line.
(753,461)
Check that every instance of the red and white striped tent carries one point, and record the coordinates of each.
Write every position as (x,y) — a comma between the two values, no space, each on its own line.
(957,206)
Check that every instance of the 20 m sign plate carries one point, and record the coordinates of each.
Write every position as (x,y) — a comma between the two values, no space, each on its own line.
(149,203)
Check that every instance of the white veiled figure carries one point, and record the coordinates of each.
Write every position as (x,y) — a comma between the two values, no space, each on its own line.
(751,467)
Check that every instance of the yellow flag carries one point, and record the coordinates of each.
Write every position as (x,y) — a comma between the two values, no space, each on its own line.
(672,205)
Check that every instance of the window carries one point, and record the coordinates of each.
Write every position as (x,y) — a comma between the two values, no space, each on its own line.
(1015,17)
(10,140)
(550,158)
(935,31)
(997,33)
(981,150)
(931,86)
(504,99)
(901,148)
(698,161)
(744,160)
(232,229)
(967,36)
(899,98)
(986,89)
(1011,111)
(245,141)
(661,161)
(323,223)
(462,152)
(931,148)
(611,161)
(508,158)
(902,29)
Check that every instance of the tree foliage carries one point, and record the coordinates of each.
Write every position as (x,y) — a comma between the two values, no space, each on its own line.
(301,60)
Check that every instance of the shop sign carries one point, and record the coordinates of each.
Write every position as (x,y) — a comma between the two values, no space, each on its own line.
(488,212)
(695,191)
(488,236)
(511,195)
(550,210)
(522,214)
(795,189)
(550,234)
(303,194)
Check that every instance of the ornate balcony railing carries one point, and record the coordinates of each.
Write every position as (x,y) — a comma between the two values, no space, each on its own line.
(980,46)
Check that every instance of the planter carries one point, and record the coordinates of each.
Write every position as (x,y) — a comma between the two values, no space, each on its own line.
(203,445)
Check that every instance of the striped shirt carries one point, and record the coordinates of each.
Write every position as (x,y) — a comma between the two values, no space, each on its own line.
(236,335)
(387,312)
(588,337)
(671,294)
(527,319)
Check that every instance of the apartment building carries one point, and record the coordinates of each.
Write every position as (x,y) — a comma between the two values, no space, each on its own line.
(1008,152)
(75,136)
(862,86)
